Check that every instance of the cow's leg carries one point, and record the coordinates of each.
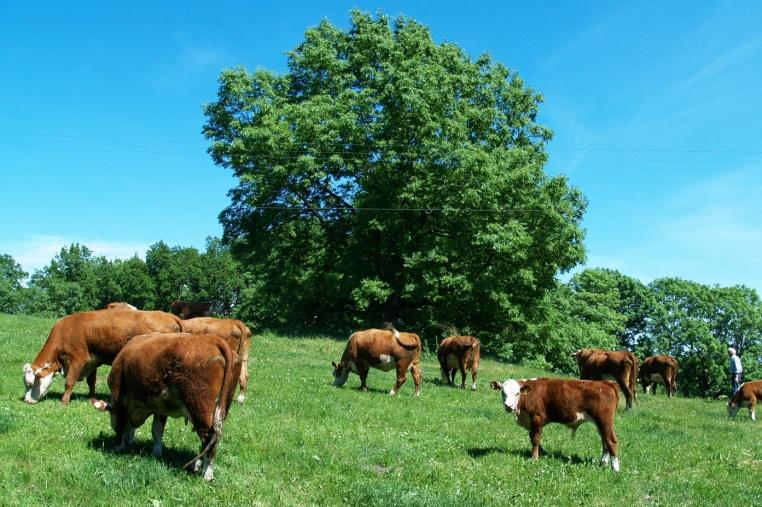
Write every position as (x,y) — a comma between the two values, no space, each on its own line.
(623,385)
(416,369)
(535,435)
(91,386)
(474,371)
(362,371)
(243,380)
(609,443)
(157,430)
(72,374)
(462,366)
(752,408)
(401,377)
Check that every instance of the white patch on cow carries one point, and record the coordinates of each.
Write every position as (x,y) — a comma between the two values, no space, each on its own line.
(511,391)
(386,362)
(648,389)
(39,388)
(473,386)
(753,415)
(208,471)
(28,376)
(615,463)
(392,392)
(605,458)
(452,361)
(579,418)
(241,398)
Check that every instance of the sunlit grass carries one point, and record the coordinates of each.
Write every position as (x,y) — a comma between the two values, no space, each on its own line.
(300,441)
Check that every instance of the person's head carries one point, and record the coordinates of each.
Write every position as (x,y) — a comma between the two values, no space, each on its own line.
(731,351)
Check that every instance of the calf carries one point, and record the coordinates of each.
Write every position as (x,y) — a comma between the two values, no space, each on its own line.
(620,366)
(80,342)
(459,353)
(661,369)
(384,350)
(537,402)
(173,375)
(746,396)
(235,332)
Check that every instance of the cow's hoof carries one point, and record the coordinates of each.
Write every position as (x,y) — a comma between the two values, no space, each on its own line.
(100,404)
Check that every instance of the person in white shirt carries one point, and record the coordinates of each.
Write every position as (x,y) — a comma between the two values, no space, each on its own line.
(736,370)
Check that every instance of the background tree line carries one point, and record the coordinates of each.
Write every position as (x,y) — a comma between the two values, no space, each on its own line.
(387,177)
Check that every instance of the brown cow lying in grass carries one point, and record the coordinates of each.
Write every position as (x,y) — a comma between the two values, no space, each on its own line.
(537,402)
(384,350)
(661,369)
(173,375)
(459,353)
(235,332)
(747,395)
(620,366)
(79,343)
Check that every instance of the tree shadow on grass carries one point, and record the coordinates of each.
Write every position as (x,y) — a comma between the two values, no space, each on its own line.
(174,457)
(574,459)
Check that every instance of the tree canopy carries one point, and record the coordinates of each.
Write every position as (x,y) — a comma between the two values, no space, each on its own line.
(389,177)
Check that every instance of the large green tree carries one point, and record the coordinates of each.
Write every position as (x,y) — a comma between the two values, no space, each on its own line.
(389,177)
(11,288)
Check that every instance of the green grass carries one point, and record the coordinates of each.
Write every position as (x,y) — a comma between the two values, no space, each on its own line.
(300,441)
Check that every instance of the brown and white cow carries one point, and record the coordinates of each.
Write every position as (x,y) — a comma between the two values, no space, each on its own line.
(747,395)
(537,402)
(620,366)
(661,369)
(235,332)
(459,353)
(173,375)
(120,304)
(79,343)
(191,309)
(384,350)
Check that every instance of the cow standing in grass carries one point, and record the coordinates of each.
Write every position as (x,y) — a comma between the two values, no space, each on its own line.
(661,369)
(620,366)
(235,332)
(383,349)
(80,342)
(173,375)
(537,402)
(459,353)
(746,396)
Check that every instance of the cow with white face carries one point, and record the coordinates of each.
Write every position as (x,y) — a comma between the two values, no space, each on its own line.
(537,402)
(747,395)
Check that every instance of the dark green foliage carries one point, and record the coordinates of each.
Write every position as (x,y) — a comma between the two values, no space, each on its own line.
(11,290)
(412,178)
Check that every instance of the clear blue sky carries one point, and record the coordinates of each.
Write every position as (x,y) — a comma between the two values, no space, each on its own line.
(656,109)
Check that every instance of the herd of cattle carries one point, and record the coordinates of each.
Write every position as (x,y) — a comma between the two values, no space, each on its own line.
(166,366)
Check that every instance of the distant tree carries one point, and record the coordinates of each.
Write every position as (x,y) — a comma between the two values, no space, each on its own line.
(135,285)
(388,177)
(11,288)
(221,278)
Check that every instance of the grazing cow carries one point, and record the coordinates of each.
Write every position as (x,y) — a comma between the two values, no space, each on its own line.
(459,353)
(384,350)
(661,369)
(81,342)
(192,309)
(537,402)
(173,375)
(620,366)
(235,332)
(746,396)
(120,304)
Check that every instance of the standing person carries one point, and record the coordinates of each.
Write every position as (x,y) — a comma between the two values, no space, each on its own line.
(736,370)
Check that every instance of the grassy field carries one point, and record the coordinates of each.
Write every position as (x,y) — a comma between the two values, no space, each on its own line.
(300,441)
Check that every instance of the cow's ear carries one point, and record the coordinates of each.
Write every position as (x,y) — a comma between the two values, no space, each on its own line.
(334,364)
(524,389)
(497,386)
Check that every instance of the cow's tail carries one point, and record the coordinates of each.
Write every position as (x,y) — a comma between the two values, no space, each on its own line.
(223,401)
(634,376)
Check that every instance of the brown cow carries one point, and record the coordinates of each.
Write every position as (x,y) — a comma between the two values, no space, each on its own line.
(235,332)
(620,366)
(661,369)
(537,402)
(120,304)
(173,375)
(746,396)
(459,353)
(81,342)
(384,350)
(191,309)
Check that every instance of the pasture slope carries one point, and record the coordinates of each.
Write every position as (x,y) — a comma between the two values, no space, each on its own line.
(300,441)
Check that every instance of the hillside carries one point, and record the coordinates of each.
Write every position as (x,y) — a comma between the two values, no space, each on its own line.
(300,441)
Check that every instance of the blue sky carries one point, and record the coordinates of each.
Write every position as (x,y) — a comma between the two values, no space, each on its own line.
(656,109)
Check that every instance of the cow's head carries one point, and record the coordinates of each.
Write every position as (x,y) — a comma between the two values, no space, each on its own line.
(511,391)
(37,381)
(340,374)
(732,409)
